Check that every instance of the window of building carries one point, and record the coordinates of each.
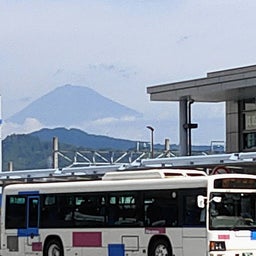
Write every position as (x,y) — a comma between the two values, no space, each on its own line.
(248,123)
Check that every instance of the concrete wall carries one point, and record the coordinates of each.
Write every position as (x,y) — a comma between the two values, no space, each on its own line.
(232,127)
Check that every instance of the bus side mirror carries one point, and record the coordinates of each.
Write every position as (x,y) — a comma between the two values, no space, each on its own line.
(217,199)
(201,201)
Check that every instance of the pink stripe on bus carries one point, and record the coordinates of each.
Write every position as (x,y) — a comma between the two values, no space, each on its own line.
(224,237)
(87,239)
(37,247)
(155,230)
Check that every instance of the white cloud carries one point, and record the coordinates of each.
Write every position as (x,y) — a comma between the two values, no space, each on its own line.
(104,121)
(30,125)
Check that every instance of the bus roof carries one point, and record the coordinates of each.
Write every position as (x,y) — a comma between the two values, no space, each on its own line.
(152,174)
(120,181)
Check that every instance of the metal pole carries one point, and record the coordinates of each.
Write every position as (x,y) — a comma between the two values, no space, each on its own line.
(55,153)
(10,166)
(189,127)
(167,144)
(183,131)
(152,140)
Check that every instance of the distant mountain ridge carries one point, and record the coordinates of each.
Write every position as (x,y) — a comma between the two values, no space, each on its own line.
(80,138)
(34,150)
(72,105)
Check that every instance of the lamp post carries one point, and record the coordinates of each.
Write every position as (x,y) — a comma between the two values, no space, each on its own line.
(191,101)
(152,140)
(189,126)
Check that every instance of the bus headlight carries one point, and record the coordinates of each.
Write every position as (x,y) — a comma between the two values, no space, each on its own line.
(217,246)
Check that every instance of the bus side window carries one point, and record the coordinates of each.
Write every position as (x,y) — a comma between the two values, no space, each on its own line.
(113,213)
(48,211)
(54,210)
(33,212)
(161,208)
(124,210)
(153,212)
(89,210)
(15,212)
(65,210)
(193,214)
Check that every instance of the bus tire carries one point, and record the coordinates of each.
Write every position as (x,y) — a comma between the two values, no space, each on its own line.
(53,248)
(160,247)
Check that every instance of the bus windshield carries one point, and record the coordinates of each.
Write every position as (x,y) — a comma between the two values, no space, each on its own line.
(234,211)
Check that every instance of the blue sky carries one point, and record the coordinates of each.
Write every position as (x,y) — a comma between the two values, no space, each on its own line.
(118,48)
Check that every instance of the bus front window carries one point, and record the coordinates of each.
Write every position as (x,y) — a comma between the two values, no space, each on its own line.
(233,211)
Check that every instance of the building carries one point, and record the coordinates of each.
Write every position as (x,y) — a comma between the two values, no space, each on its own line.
(236,87)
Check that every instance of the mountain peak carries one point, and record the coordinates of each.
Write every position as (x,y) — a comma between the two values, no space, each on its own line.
(69,105)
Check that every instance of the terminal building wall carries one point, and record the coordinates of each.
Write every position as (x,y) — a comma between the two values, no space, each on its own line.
(241,125)
(232,126)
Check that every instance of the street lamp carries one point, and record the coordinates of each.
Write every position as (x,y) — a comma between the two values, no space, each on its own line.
(152,140)
(189,126)
(191,101)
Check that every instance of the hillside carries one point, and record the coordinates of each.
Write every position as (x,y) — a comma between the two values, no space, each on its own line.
(26,152)
(34,151)
(79,138)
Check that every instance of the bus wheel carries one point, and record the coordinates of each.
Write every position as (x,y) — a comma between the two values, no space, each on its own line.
(53,248)
(160,247)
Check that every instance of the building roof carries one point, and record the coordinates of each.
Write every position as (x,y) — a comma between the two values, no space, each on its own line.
(225,85)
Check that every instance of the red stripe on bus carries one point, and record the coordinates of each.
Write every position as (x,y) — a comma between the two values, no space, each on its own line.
(37,247)
(155,230)
(87,239)
(224,237)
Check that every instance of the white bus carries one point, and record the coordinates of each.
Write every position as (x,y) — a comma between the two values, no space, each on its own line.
(132,213)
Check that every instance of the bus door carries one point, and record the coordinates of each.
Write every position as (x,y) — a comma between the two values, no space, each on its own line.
(194,225)
(32,227)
